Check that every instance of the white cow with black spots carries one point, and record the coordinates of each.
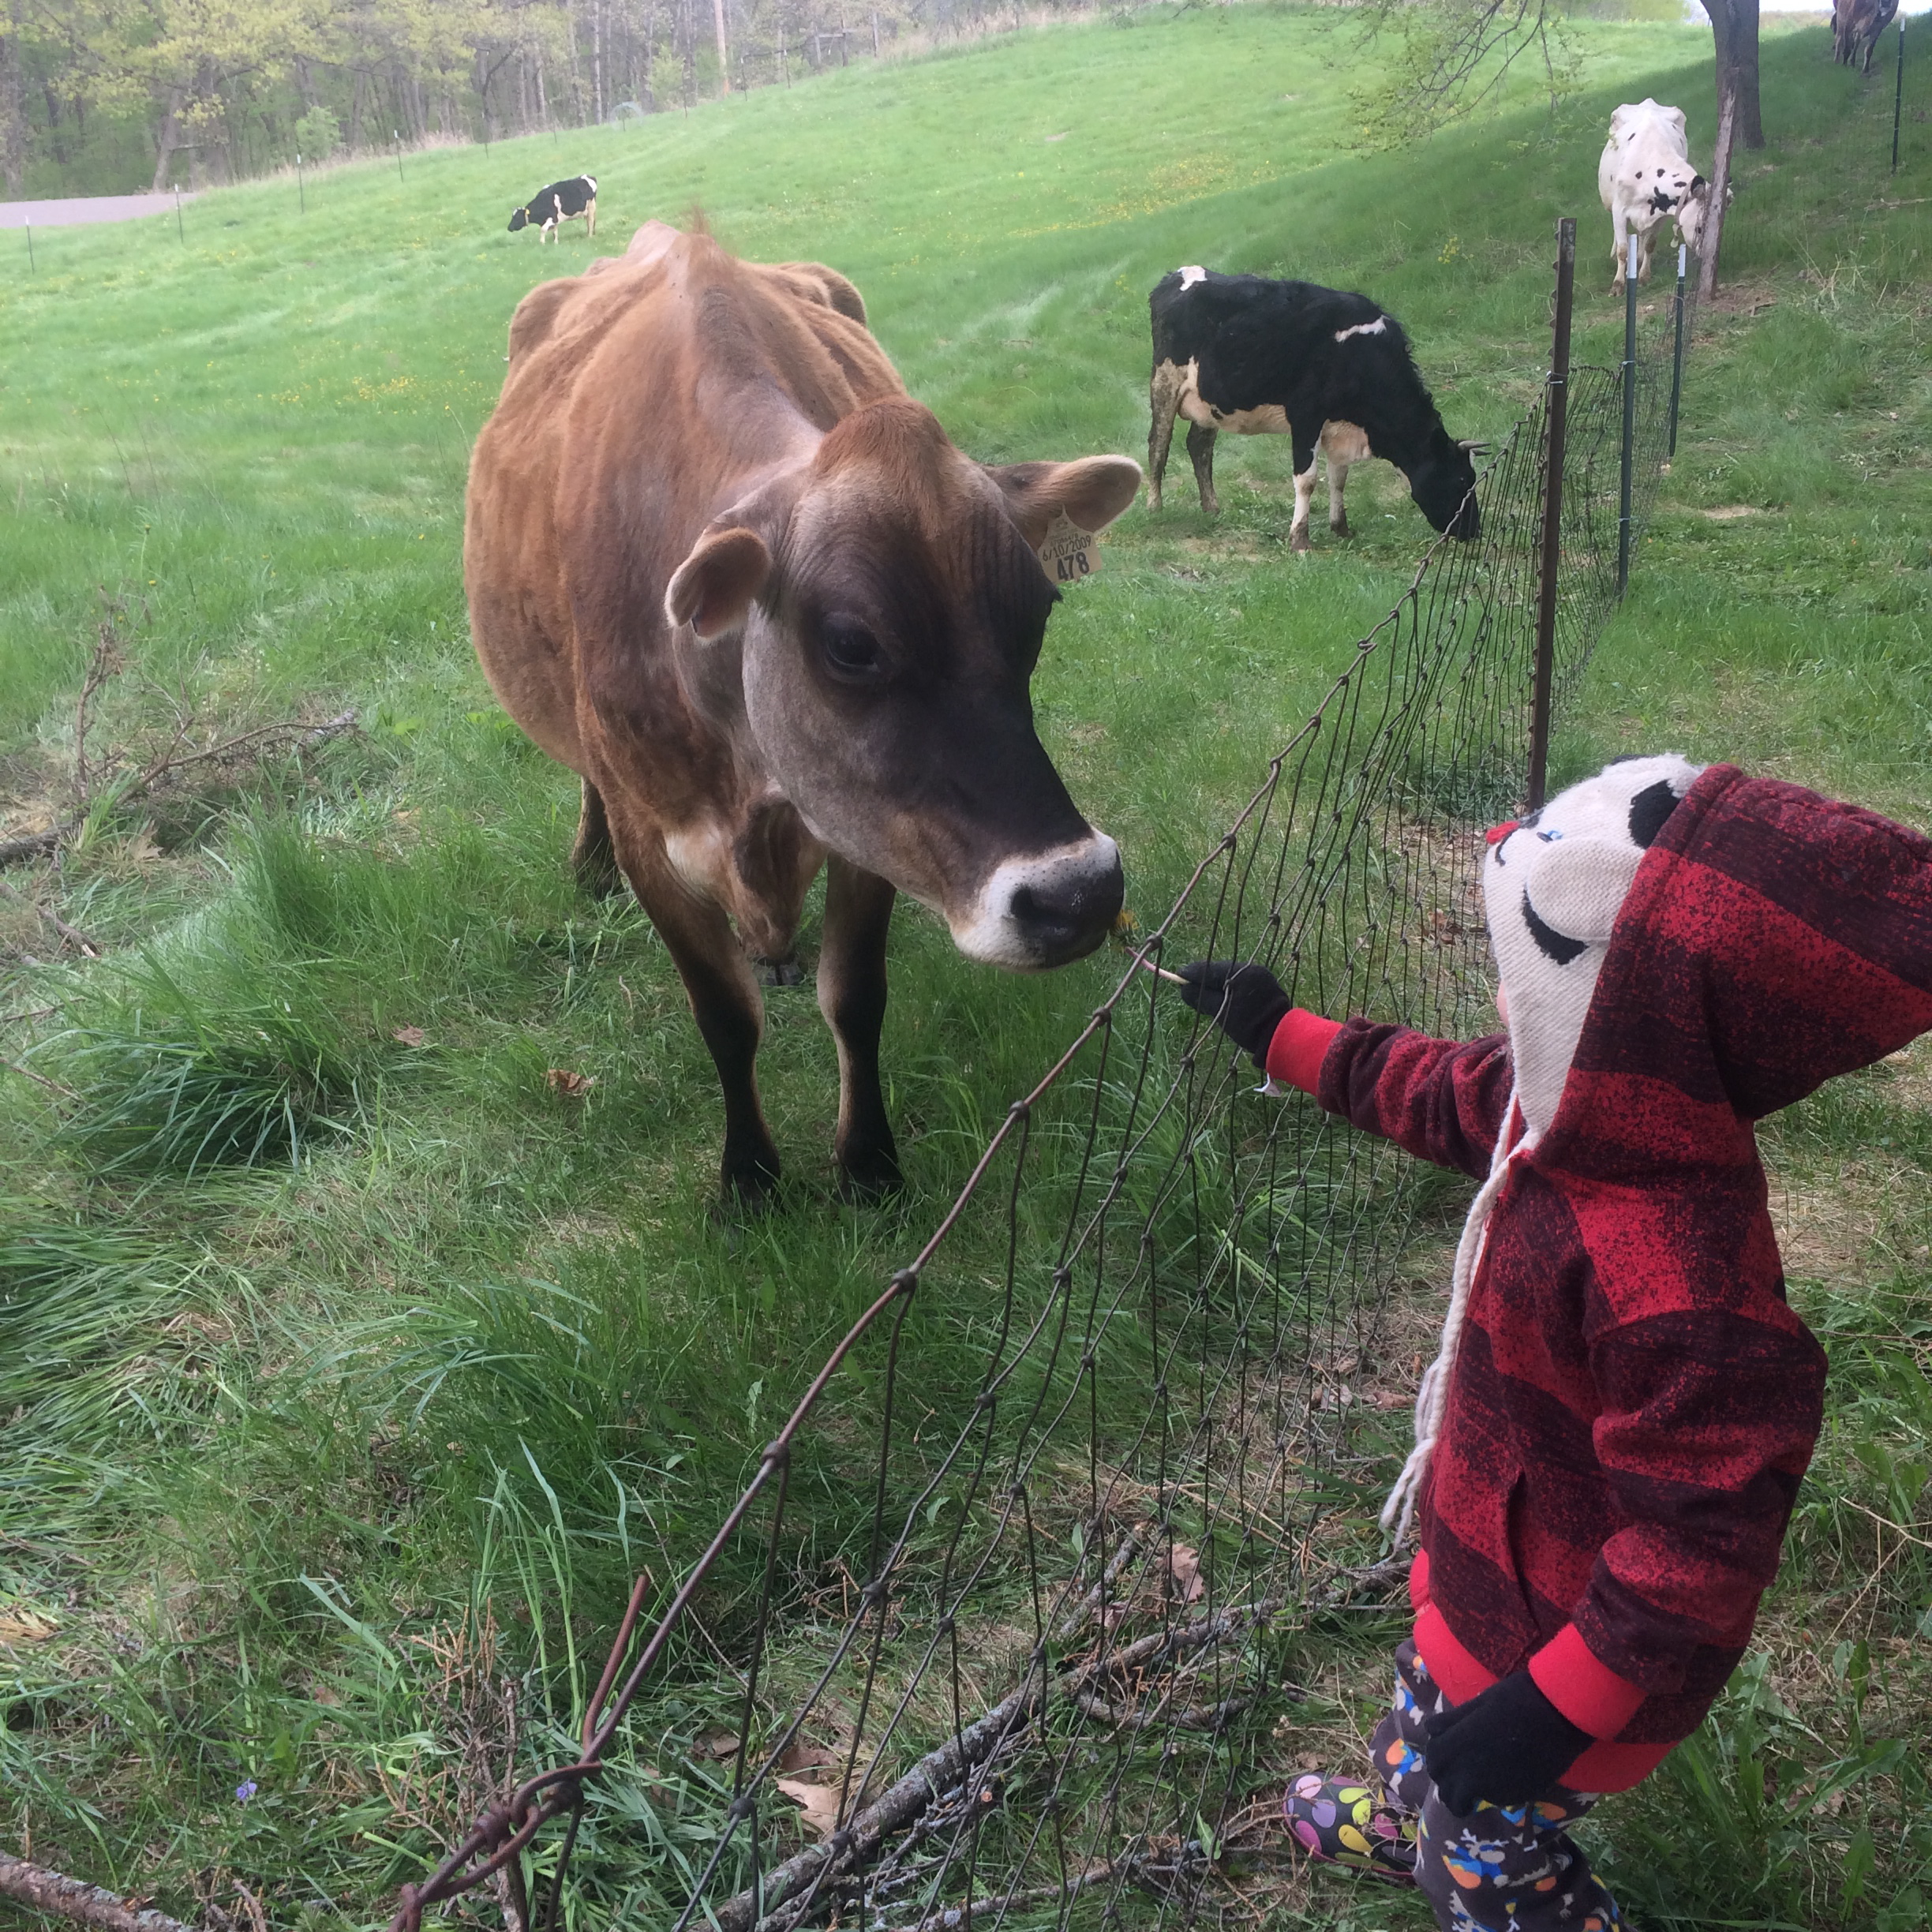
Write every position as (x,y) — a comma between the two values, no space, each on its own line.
(1645,178)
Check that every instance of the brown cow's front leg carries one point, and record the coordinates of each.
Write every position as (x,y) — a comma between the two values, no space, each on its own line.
(851,995)
(724,1002)
(1201,453)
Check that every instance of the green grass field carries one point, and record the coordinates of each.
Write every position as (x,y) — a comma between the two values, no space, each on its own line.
(431,1335)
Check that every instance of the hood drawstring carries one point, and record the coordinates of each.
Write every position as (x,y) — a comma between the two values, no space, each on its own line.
(1433,1398)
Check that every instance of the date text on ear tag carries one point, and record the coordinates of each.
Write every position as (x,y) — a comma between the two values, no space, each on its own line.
(1067,552)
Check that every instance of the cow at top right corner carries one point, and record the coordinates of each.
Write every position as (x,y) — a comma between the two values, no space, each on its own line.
(1644,178)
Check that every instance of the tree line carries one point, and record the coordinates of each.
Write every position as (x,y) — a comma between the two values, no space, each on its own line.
(112,95)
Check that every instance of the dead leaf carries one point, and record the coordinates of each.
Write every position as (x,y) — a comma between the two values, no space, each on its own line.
(715,1744)
(1184,1567)
(1388,1399)
(818,1804)
(408,1036)
(572,1086)
(802,1755)
(20,1625)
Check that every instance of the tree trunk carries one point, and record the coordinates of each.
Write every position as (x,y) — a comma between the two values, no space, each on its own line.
(1712,239)
(1734,30)
(13,102)
(1750,120)
(167,140)
(718,19)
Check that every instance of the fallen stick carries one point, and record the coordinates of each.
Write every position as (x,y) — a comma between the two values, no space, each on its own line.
(939,1770)
(62,1897)
(51,919)
(41,844)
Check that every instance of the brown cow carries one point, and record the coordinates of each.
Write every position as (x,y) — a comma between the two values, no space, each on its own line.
(723,568)
(1857,26)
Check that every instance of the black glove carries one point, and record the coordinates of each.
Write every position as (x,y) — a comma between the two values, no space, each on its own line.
(1510,1746)
(1246,1003)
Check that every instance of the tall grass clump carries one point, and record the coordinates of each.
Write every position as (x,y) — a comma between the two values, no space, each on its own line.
(168,1078)
(78,1307)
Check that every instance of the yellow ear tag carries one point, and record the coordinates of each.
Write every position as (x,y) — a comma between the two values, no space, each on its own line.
(1068,553)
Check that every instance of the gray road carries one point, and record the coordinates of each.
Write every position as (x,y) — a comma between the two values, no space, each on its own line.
(85,209)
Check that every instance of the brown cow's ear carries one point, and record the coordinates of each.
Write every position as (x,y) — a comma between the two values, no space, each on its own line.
(713,587)
(1093,491)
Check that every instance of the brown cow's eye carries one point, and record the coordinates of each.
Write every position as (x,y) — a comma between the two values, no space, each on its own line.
(852,652)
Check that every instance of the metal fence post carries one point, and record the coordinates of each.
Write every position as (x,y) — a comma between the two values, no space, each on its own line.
(1556,416)
(1898,93)
(1629,417)
(33,267)
(1677,355)
(301,192)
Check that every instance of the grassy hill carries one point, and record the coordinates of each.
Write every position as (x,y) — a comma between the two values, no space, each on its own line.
(238,458)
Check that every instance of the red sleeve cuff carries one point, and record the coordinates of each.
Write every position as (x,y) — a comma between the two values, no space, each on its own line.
(1300,1045)
(1588,1692)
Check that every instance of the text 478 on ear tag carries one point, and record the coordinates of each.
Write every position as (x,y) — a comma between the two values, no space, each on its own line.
(1068,552)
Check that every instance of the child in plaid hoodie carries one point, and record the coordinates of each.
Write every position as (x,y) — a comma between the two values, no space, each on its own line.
(1609,1442)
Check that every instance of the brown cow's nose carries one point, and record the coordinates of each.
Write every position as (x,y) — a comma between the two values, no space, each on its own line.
(1045,909)
(1067,908)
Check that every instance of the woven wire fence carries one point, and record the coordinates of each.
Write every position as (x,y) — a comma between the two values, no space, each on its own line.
(1051,1699)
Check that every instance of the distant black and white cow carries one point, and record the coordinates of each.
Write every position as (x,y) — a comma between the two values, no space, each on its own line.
(573,199)
(1258,357)
(1644,178)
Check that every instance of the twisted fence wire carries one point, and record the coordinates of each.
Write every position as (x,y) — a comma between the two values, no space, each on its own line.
(1060,1701)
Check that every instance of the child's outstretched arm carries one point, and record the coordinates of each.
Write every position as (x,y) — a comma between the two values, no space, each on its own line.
(1441,1100)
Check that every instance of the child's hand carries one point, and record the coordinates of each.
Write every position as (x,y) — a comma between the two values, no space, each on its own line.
(1509,1746)
(1246,1003)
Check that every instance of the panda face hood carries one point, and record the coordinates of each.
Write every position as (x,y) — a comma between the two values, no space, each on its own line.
(1553,884)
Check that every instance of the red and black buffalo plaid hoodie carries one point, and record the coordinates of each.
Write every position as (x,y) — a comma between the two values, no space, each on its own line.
(1633,1404)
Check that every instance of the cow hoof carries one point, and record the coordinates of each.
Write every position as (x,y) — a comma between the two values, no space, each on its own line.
(771,972)
(1341,529)
(1298,540)
(870,1176)
(745,1195)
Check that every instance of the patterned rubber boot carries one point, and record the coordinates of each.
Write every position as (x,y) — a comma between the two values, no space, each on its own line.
(1344,1823)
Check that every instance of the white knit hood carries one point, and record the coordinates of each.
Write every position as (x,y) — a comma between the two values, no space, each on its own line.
(1553,884)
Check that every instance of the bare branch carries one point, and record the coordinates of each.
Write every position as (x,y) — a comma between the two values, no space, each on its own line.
(168,765)
(62,1897)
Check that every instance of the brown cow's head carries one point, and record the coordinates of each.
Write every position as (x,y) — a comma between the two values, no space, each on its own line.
(1694,211)
(890,606)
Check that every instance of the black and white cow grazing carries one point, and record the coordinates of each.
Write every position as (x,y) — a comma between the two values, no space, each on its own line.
(565,201)
(1645,176)
(1257,357)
